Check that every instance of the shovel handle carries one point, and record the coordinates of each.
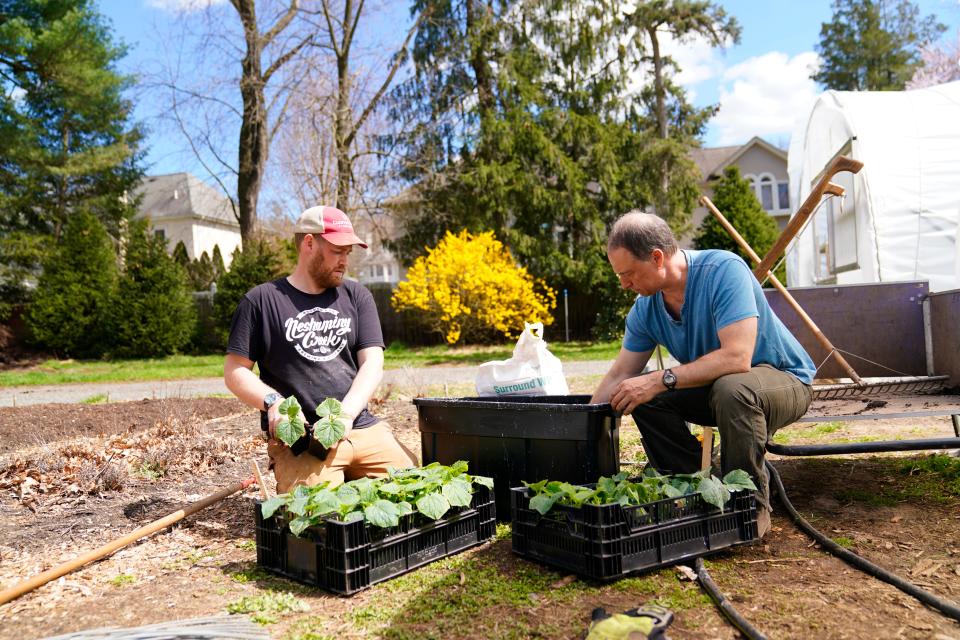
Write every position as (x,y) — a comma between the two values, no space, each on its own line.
(840,163)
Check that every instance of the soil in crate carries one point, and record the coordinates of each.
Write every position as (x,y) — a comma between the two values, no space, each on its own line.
(605,542)
(347,557)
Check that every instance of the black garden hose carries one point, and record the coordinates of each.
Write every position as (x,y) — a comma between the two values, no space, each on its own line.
(727,609)
(945,607)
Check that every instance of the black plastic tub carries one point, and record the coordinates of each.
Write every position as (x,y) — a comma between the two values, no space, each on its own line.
(606,542)
(521,438)
(346,557)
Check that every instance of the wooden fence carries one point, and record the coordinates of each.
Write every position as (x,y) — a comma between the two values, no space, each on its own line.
(581,314)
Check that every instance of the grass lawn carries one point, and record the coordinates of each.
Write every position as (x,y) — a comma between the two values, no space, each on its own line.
(211,366)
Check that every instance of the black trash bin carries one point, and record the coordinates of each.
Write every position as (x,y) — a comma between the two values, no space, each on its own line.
(521,438)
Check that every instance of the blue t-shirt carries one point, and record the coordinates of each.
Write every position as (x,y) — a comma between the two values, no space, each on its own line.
(720,290)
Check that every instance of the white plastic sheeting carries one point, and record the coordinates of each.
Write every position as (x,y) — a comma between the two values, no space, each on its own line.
(900,217)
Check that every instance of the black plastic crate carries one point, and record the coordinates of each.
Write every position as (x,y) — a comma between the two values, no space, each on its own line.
(521,438)
(345,557)
(605,542)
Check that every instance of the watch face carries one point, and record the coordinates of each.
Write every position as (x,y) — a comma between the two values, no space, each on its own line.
(669,379)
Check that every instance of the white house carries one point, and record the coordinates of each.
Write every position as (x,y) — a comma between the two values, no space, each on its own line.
(183,208)
(899,217)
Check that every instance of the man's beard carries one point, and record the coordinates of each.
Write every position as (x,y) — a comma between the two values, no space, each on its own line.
(324,277)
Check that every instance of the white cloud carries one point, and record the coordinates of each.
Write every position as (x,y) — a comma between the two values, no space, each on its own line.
(764,96)
(697,58)
(182,6)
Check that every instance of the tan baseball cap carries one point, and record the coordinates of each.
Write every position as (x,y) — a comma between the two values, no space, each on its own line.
(329,223)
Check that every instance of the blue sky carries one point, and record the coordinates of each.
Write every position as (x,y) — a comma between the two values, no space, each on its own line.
(762,84)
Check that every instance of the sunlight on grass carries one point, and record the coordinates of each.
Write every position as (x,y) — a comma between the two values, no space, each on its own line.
(69,371)
(399,355)
(183,367)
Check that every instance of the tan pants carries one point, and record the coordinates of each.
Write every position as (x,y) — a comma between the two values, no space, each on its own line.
(362,453)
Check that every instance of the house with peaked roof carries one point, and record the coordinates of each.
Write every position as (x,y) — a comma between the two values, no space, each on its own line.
(182,208)
(760,162)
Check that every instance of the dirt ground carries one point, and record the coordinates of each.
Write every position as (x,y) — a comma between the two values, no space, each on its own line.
(73,477)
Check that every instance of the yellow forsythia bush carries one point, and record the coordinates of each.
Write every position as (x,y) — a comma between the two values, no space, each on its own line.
(469,287)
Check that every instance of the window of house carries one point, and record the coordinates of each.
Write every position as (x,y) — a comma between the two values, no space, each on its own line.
(783,195)
(159,234)
(379,270)
(766,193)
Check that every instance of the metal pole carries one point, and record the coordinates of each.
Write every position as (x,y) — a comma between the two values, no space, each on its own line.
(566,315)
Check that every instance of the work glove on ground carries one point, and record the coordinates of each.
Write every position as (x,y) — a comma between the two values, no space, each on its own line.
(649,622)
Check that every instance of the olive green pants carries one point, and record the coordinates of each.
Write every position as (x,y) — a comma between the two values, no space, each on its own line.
(747,409)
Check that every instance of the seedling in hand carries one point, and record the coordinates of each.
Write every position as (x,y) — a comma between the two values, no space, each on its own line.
(329,427)
(291,426)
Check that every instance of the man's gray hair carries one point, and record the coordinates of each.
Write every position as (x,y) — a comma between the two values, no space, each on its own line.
(640,233)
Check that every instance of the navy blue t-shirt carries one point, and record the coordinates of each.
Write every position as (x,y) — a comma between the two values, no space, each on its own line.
(306,344)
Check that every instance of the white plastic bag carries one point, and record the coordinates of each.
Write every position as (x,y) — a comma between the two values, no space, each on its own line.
(532,371)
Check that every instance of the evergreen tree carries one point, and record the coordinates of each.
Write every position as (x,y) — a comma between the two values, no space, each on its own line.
(21,260)
(736,200)
(520,120)
(180,255)
(65,139)
(153,313)
(256,263)
(202,273)
(217,261)
(72,303)
(872,45)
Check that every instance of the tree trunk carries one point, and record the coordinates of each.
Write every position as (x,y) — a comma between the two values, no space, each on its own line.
(658,83)
(253,148)
(343,125)
(478,35)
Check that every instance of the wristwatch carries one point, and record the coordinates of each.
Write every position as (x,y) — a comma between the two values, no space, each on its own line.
(669,379)
(271,399)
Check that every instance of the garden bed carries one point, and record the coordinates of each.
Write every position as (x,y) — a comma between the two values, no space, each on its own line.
(901,517)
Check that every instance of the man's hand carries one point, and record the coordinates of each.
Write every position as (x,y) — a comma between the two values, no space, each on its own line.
(273,418)
(632,392)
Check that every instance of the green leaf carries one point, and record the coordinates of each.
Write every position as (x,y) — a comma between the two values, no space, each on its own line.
(457,492)
(405,508)
(484,481)
(328,431)
(298,505)
(329,407)
(353,516)
(671,491)
(382,513)
(300,524)
(290,430)
(348,495)
(713,492)
(390,488)
(324,501)
(269,507)
(459,467)
(367,488)
(433,505)
(290,407)
(542,504)
(739,479)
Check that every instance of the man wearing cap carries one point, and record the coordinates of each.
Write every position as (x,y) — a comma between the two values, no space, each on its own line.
(315,335)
